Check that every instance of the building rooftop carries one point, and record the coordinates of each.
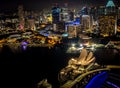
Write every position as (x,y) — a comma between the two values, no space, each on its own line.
(110,3)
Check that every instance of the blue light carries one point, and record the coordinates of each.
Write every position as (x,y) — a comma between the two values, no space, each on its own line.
(46,34)
(56,10)
(97,81)
(24,43)
(24,47)
(112,84)
(65,34)
(73,23)
(110,3)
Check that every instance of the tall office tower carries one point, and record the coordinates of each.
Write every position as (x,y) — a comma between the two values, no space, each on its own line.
(118,25)
(84,11)
(93,13)
(71,15)
(64,15)
(61,26)
(118,13)
(85,22)
(31,24)
(110,7)
(108,22)
(55,14)
(101,10)
(21,17)
(107,25)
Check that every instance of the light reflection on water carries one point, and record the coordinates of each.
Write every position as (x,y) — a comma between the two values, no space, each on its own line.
(15,48)
(24,45)
(41,65)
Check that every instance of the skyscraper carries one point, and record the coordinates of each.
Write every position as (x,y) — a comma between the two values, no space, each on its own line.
(55,14)
(107,22)
(21,17)
(64,15)
(84,11)
(110,7)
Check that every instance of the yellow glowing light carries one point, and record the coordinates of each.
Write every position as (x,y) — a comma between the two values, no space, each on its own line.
(2,41)
(49,18)
(43,25)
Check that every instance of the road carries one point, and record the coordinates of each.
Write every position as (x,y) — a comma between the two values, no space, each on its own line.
(71,83)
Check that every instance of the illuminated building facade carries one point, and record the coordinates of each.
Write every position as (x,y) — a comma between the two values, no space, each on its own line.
(84,11)
(85,22)
(64,15)
(85,19)
(118,13)
(107,25)
(110,7)
(21,17)
(31,24)
(72,32)
(55,14)
(108,21)
(101,10)
(106,18)
(61,26)
(118,25)
(72,27)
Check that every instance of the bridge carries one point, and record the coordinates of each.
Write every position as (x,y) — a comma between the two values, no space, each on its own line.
(71,83)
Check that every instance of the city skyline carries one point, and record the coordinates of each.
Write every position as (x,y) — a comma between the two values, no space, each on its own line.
(71,47)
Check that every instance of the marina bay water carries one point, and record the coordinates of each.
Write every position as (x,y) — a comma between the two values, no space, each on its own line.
(25,68)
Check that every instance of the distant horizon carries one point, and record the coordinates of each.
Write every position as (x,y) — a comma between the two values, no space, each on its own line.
(39,5)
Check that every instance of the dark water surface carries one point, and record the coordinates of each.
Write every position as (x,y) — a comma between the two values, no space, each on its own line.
(25,69)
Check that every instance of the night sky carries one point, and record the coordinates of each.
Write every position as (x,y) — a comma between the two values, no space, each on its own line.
(40,4)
